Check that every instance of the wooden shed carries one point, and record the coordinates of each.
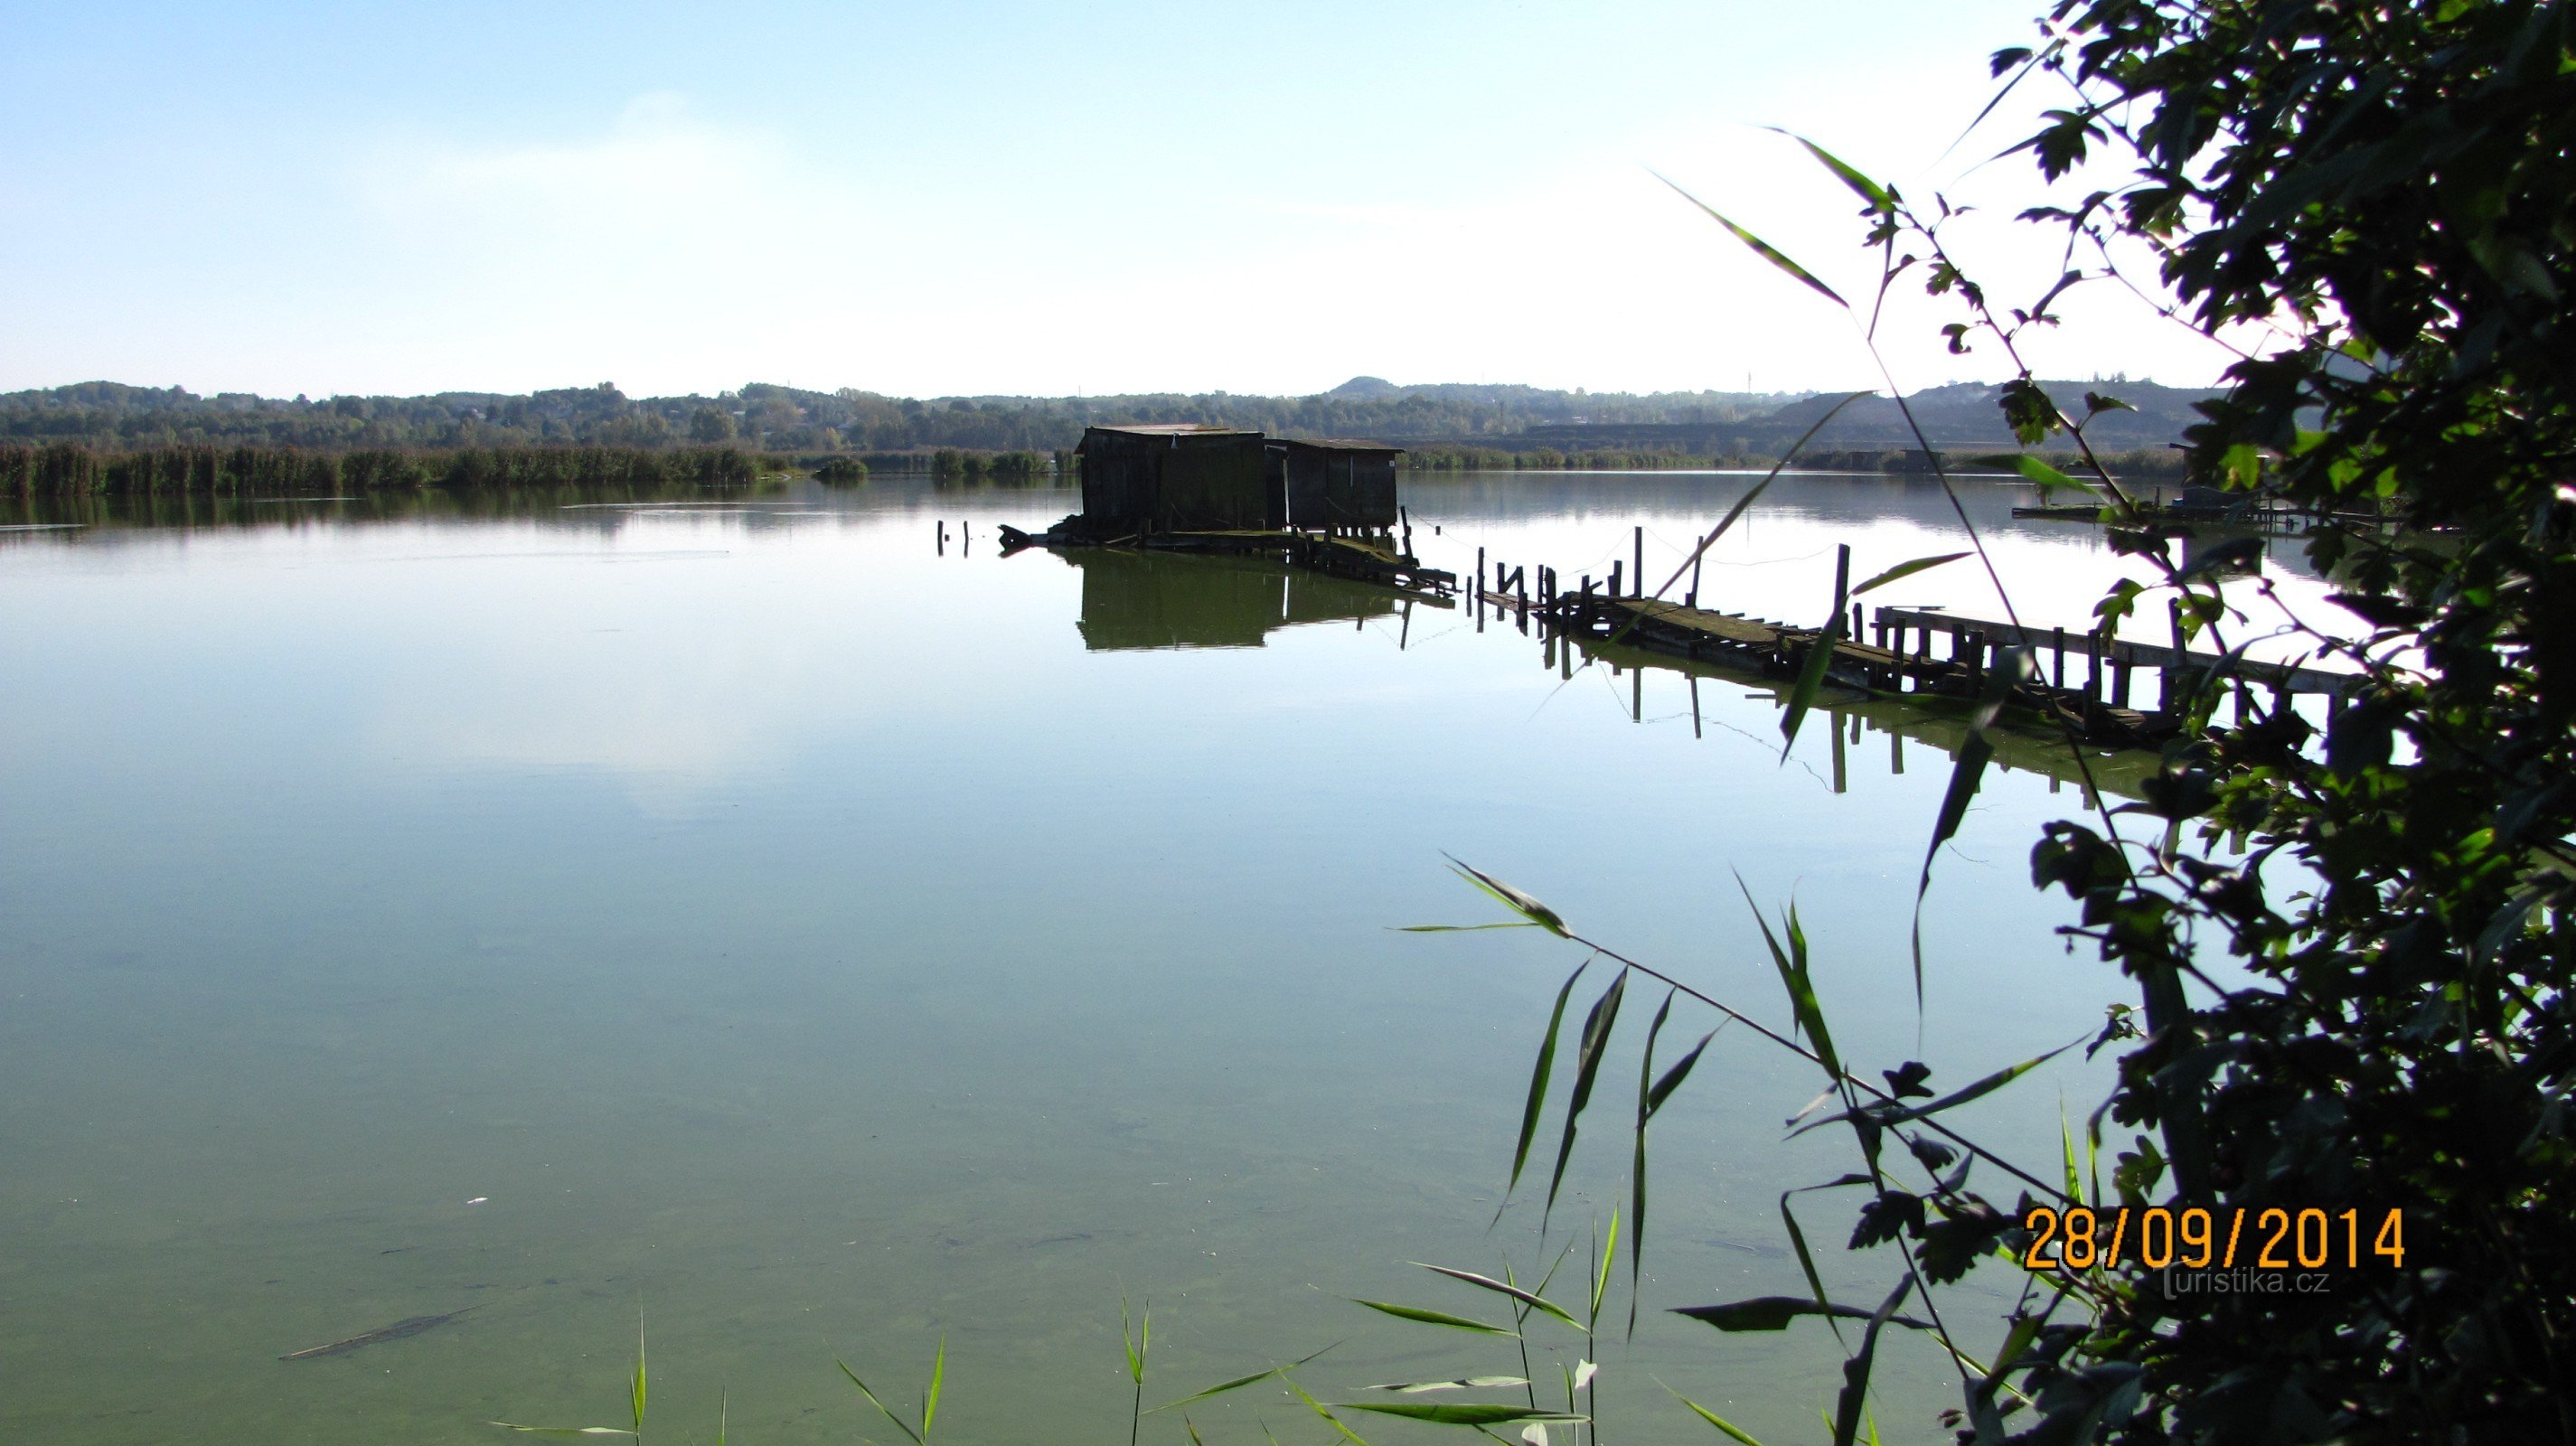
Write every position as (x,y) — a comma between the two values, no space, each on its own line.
(1336,485)
(1177,477)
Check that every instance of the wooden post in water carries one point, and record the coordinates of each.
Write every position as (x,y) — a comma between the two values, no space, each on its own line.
(1694,692)
(2057,667)
(2169,677)
(943,539)
(2122,665)
(1842,588)
(1614,579)
(1637,695)
(1694,591)
(2093,666)
(1637,576)
(1838,752)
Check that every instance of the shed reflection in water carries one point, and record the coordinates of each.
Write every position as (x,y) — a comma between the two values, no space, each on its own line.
(1155,600)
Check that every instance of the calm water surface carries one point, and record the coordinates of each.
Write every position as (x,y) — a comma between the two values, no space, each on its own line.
(745,910)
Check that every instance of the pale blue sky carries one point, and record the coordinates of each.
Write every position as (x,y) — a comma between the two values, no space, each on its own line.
(977,197)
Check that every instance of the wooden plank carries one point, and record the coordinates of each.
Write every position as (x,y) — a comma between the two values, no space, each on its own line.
(2151,655)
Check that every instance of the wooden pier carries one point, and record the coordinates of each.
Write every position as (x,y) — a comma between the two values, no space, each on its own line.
(2094,704)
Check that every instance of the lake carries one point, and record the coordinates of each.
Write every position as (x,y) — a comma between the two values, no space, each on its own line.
(750,911)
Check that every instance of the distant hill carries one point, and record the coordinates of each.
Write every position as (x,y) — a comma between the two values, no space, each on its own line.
(787,419)
(1966,414)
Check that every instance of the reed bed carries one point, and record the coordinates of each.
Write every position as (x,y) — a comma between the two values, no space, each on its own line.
(70,469)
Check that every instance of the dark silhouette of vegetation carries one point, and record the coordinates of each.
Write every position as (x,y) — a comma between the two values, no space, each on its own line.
(64,469)
(2354,945)
(1500,420)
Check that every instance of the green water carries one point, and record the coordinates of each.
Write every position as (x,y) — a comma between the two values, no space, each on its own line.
(748,910)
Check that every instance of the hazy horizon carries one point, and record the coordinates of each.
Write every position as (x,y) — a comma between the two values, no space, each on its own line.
(999,199)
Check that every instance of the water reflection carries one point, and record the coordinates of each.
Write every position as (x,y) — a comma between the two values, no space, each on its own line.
(1148,600)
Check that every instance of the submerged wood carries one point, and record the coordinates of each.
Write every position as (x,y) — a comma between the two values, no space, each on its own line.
(397,1331)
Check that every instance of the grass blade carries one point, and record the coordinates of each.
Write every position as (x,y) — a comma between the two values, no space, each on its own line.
(1673,1077)
(1803,1005)
(1807,1263)
(900,1424)
(1601,1274)
(2048,479)
(1855,1392)
(1469,1383)
(1714,1419)
(1587,1068)
(1908,569)
(1239,1382)
(1538,1083)
(1637,1165)
(638,1392)
(564,1430)
(1811,675)
(1511,898)
(1880,198)
(1760,247)
(2012,667)
(1487,1282)
(1775,1312)
(930,1398)
(1980,1089)
(1318,1408)
(1745,501)
(1432,1317)
(1459,1413)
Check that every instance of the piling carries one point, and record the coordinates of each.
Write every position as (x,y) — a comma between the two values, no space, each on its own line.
(1639,571)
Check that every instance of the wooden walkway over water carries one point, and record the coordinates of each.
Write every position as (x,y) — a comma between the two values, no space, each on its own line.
(2085,683)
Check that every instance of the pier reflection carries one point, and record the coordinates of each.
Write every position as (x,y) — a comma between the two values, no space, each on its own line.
(1918,734)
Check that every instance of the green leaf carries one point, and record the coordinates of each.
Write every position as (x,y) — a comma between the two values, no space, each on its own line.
(899,1423)
(1880,198)
(1464,928)
(1637,1165)
(1761,248)
(1981,1088)
(1811,674)
(1774,1312)
(1855,1392)
(2048,479)
(1714,1419)
(1908,569)
(1538,1083)
(1318,1408)
(1601,1276)
(1458,1413)
(1673,1077)
(1433,1317)
(1468,1383)
(2012,667)
(1511,898)
(1803,1005)
(1239,1382)
(1587,1068)
(638,1392)
(1487,1282)
(565,1430)
(930,1398)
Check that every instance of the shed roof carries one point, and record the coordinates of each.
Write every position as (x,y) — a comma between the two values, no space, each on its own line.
(1337,444)
(1169,429)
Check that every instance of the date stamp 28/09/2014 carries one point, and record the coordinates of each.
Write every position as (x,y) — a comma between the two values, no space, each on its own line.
(2275,1240)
